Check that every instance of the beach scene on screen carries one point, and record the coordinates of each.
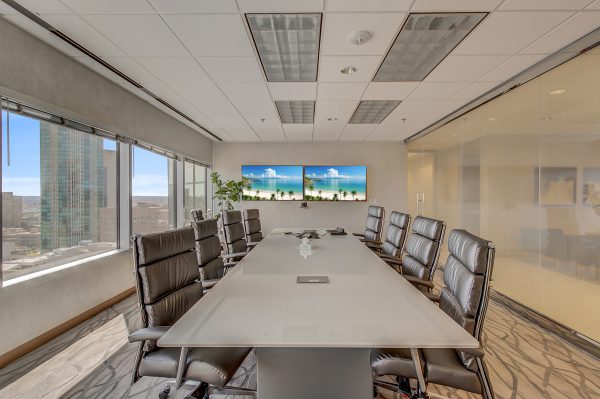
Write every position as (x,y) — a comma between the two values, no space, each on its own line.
(272,183)
(335,183)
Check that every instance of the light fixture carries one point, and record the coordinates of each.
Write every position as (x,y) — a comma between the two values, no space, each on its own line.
(349,70)
(373,111)
(333,119)
(287,45)
(557,92)
(492,119)
(360,37)
(296,111)
(423,42)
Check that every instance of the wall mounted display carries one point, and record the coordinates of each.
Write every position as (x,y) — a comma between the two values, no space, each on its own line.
(591,187)
(557,185)
(335,183)
(272,183)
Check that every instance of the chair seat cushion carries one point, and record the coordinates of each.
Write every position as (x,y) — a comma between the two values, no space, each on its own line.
(444,367)
(160,363)
(215,366)
(396,362)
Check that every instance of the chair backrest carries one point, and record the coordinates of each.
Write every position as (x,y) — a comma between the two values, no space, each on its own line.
(395,235)
(374,225)
(467,277)
(233,231)
(252,225)
(208,249)
(197,215)
(167,275)
(422,248)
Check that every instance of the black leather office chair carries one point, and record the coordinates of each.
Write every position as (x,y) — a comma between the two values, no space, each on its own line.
(197,215)
(395,237)
(374,224)
(167,282)
(421,252)
(234,236)
(252,225)
(465,299)
(208,252)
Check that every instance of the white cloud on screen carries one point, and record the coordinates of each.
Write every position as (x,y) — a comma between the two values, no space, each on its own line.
(270,172)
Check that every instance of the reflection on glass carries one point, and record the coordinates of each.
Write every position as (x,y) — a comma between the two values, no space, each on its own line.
(194,196)
(58,195)
(524,171)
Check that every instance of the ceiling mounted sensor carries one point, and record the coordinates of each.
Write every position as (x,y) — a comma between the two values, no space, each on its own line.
(373,111)
(423,42)
(287,45)
(360,37)
(349,70)
(296,111)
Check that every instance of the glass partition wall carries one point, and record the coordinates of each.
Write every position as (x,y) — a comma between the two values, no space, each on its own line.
(523,171)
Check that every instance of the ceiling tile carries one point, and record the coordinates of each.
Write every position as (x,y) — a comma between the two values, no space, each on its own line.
(108,6)
(298,131)
(245,91)
(341,111)
(253,107)
(340,91)
(45,6)
(357,132)
(232,69)
(267,130)
(328,132)
(416,107)
(174,70)
(293,90)
(517,32)
(84,34)
(389,90)
(436,91)
(337,29)
(330,67)
(138,35)
(279,6)
(367,6)
(236,127)
(543,4)
(465,68)
(198,91)
(455,5)
(132,69)
(197,32)
(215,107)
(594,6)
(194,6)
(513,66)
(474,90)
(42,34)
(577,26)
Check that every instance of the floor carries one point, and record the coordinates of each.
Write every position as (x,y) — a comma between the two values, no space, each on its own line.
(524,360)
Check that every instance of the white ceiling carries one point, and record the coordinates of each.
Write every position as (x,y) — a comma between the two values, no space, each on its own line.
(199,56)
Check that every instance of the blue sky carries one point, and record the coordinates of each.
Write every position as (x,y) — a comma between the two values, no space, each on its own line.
(336,172)
(269,171)
(22,177)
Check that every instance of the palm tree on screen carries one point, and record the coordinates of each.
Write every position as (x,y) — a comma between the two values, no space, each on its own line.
(258,193)
(335,197)
(273,197)
(291,194)
(344,194)
(353,192)
(278,190)
(340,191)
(281,193)
(320,192)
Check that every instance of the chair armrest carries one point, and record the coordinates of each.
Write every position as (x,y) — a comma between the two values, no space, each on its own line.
(390,260)
(431,296)
(386,256)
(418,281)
(148,334)
(231,264)
(477,352)
(235,255)
(358,235)
(367,241)
(252,244)
(374,247)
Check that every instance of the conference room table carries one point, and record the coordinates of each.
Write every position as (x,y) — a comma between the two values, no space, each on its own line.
(315,339)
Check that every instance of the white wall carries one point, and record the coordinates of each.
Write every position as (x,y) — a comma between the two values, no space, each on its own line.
(386,179)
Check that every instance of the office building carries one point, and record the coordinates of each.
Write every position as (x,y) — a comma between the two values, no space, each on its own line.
(290,199)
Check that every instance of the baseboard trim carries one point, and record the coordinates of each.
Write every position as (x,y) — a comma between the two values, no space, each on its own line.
(574,338)
(49,335)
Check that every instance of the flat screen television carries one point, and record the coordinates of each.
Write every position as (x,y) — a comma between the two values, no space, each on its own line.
(335,183)
(272,183)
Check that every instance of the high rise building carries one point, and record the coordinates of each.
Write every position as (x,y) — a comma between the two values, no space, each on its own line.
(73,186)
(12,210)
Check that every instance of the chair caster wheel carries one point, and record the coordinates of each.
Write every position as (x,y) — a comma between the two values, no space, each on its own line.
(164,394)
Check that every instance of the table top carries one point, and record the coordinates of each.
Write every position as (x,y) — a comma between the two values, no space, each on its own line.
(366,304)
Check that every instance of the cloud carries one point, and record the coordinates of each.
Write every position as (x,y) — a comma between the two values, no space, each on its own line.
(270,172)
(332,173)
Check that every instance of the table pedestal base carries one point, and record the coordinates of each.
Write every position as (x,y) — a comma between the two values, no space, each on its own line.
(304,373)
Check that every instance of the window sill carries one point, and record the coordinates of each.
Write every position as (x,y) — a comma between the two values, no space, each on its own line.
(51,270)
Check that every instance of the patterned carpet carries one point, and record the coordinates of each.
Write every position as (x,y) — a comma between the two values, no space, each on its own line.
(524,360)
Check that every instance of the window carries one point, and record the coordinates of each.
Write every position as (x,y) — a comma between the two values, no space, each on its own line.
(59,195)
(153,192)
(194,195)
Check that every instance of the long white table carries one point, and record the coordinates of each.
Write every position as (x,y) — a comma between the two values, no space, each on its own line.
(314,340)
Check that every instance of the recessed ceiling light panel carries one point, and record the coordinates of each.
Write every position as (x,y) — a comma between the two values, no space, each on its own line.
(423,42)
(296,111)
(373,111)
(287,44)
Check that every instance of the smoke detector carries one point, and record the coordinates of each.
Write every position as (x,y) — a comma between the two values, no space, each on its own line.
(360,37)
